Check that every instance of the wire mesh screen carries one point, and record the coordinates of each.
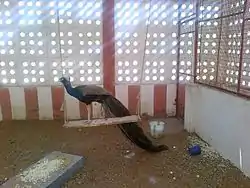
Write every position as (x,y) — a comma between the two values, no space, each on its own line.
(245,71)
(219,44)
(186,41)
(222,42)
(246,58)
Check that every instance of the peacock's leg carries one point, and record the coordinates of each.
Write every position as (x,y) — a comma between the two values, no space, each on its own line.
(88,109)
(103,111)
(107,112)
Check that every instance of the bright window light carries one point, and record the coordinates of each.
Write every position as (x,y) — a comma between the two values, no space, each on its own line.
(38,12)
(39,22)
(97,42)
(7,13)
(39,43)
(52,12)
(53,43)
(30,3)
(61,4)
(41,72)
(89,34)
(5,81)
(20,3)
(13,81)
(8,21)
(33,80)
(31,34)
(69,13)
(70,42)
(31,12)
(31,22)
(31,42)
(22,22)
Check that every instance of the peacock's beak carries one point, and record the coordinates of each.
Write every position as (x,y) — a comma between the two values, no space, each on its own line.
(61,80)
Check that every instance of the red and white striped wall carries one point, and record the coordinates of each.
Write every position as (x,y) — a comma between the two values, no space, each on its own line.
(155,100)
(18,103)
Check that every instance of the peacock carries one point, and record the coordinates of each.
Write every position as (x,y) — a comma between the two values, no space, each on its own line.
(92,93)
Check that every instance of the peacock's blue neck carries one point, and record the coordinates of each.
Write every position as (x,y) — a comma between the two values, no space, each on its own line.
(71,91)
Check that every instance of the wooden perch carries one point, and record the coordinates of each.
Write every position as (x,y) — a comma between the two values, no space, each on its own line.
(100,122)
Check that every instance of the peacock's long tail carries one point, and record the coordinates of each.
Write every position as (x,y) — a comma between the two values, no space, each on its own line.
(131,130)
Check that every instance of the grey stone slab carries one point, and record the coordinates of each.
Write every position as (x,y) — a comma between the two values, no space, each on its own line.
(52,171)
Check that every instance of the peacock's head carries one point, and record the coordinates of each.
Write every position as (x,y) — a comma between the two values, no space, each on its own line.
(64,81)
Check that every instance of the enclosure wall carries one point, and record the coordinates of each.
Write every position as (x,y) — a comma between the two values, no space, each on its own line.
(222,120)
(128,47)
(47,102)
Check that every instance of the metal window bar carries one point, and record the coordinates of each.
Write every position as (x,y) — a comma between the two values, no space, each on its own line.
(234,88)
(181,31)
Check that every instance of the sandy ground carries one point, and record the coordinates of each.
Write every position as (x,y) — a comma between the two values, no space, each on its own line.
(108,162)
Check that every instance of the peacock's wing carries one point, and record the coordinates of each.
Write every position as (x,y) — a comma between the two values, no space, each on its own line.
(88,90)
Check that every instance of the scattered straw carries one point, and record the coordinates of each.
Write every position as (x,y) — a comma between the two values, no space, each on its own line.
(42,171)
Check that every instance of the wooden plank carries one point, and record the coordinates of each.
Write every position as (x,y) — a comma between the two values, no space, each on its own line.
(100,122)
(52,171)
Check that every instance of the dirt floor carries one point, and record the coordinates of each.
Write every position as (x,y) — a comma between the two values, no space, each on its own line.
(112,161)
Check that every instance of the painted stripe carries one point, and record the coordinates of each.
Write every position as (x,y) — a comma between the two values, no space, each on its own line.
(97,110)
(73,111)
(160,100)
(57,102)
(18,104)
(147,99)
(45,103)
(121,92)
(181,100)
(133,93)
(5,104)
(171,103)
(83,110)
(31,101)
(1,116)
